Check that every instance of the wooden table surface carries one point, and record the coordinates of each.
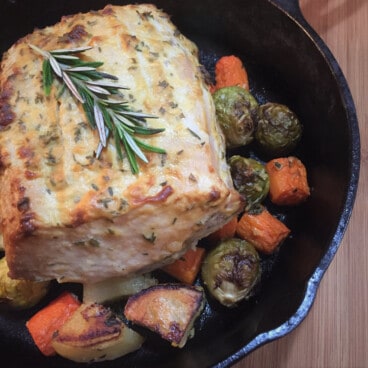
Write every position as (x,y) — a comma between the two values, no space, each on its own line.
(335,332)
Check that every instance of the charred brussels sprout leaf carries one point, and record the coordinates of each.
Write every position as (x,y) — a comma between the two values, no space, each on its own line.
(231,270)
(278,129)
(250,179)
(235,109)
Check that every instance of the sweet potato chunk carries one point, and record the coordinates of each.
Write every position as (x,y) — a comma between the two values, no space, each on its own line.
(167,309)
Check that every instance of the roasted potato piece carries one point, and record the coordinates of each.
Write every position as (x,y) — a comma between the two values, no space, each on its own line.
(116,288)
(94,333)
(167,309)
(20,294)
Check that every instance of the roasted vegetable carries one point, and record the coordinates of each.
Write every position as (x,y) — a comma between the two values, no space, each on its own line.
(48,320)
(235,108)
(288,181)
(186,268)
(20,293)
(116,288)
(227,231)
(250,178)
(278,129)
(230,71)
(231,270)
(262,229)
(94,333)
(167,309)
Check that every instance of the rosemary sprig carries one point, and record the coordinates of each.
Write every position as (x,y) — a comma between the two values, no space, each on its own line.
(98,92)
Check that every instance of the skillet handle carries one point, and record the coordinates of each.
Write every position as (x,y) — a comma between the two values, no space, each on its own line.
(292,7)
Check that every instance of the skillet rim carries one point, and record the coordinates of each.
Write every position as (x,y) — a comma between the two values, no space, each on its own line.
(293,13)
(291,9)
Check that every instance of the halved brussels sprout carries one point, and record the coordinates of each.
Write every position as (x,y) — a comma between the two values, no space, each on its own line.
(278,129)
(250,179)
(231,270)
(235,108)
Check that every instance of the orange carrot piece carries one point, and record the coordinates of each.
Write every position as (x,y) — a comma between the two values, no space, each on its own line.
(230,71)
(46,321)
(186,268)
(288,181)
(263,230)
(225,232)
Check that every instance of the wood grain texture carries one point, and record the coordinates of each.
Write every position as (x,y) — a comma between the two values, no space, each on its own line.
(335,332)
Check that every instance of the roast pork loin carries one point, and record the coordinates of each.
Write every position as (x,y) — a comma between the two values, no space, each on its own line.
(69,216)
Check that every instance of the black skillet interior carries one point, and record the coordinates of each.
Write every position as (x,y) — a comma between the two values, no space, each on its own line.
(287,63)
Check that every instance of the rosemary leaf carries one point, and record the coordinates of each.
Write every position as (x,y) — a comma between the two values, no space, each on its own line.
(65,57)
(132,143)
(147,131)
(61,91)
(130,154)
(111,116)
(48,77)
(118,146)
(98,90)
(73,89)
(148,147)
(81,69)
(99,120)
(107,76)
(106,83)
(140,115)
(70,51)
(122,119)
(55,66)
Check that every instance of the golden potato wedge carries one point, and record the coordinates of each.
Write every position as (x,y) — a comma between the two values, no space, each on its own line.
(94,333)
(167,309)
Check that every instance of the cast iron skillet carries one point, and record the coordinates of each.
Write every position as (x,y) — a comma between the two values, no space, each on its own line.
(287,63)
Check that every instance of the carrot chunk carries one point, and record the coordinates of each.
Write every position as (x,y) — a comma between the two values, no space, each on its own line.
(263,230)
(45,322)
(288,181)
(186,268)
(225,232)
(230,71)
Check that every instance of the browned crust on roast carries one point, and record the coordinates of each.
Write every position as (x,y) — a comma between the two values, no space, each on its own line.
(23,223)
(108,10)
(26,216)
(7,116)
(159,197)
(78,33)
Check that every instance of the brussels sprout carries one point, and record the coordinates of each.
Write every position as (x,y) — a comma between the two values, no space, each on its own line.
(250,178)
(278,129)
(20,294)
(231,270)
(235,108)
